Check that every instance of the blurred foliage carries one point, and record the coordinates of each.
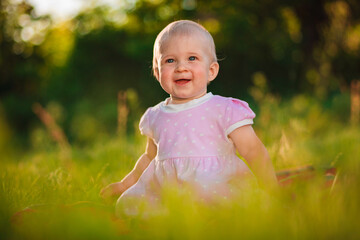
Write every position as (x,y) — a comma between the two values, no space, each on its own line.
(76,68)
(22,65)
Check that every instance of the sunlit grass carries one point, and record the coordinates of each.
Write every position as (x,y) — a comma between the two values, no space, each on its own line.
(63,201)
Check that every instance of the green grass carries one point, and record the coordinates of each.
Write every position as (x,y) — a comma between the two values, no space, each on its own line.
(64,193)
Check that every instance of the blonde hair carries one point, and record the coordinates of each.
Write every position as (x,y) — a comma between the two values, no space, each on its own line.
(181,27)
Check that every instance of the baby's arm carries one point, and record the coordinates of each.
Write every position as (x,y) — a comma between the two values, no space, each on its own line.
(253,150)
(116,189)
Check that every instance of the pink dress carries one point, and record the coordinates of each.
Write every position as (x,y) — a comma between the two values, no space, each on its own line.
(193,147)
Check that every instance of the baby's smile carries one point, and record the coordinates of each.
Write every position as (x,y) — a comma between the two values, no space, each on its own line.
(182,81)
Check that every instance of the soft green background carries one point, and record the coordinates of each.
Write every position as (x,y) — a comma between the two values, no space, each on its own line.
(293,61)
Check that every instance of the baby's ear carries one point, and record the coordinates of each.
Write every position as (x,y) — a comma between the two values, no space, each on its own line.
(213,70)
(156,73)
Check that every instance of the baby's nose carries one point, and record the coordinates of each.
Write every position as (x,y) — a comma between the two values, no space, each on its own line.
(181,66)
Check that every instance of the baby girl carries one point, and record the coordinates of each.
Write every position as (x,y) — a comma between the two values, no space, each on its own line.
(193,136)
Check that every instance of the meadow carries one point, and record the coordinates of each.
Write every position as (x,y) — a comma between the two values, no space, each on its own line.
(66,131)
(46,193)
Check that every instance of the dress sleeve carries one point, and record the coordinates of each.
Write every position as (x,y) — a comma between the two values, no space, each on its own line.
(238,114)
(144,124)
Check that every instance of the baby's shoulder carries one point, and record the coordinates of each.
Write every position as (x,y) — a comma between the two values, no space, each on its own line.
(152,113)
(153,109)
(217,99)
(230,104)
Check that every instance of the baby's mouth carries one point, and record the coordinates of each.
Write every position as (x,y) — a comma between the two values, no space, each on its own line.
(182,81)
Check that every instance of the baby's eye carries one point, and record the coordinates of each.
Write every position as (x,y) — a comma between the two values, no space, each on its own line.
(170,60)
(192,58)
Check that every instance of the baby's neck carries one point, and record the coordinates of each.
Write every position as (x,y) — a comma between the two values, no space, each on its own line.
(175,100)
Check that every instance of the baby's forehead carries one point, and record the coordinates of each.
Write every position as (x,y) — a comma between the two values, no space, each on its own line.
(195,36)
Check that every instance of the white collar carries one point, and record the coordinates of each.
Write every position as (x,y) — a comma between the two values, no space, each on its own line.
(184,106)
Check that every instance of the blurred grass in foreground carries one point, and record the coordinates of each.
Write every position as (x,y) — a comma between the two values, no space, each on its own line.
(297,132)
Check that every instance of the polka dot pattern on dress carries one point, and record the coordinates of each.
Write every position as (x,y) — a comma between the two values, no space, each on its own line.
(192,144)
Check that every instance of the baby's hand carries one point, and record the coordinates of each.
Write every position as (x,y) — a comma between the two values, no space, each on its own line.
(111,191)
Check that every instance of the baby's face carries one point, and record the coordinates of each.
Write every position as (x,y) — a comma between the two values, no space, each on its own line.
(185,67)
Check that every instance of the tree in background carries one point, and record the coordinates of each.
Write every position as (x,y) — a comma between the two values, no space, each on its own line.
(22,65)
(284,47)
